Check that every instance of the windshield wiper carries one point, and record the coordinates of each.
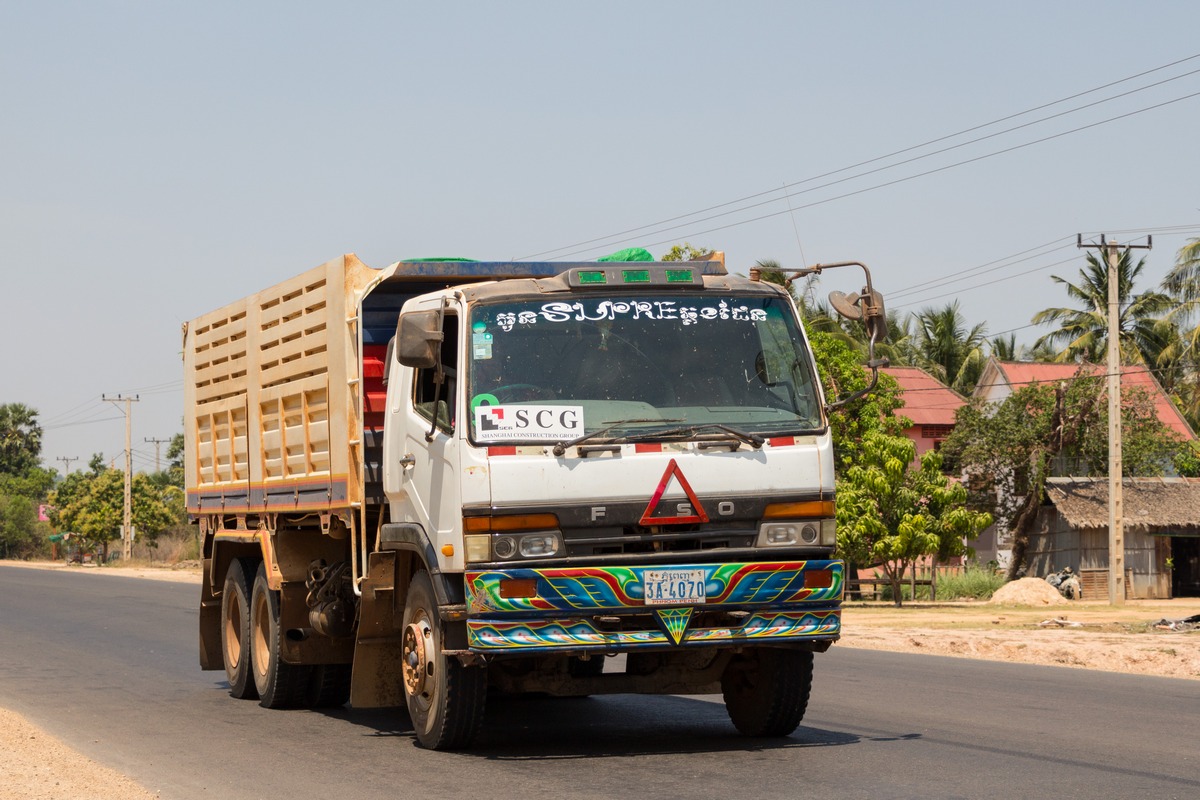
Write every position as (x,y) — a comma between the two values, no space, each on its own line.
(561,447)
(685,431)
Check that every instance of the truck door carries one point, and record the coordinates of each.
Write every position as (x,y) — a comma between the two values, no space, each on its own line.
(430,448)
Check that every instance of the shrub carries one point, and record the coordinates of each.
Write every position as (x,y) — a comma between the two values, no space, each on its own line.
(978,583)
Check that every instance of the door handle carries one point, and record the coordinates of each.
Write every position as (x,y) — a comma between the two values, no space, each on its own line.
(408,461)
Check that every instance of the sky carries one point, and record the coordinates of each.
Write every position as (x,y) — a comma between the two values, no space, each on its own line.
(161,159)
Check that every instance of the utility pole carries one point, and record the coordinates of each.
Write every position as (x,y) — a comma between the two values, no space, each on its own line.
(67,462)
(127,527)
(158,443)
(1116,505)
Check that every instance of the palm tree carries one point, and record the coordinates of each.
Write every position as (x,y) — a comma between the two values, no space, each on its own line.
(1082,333)
(1004,349)
(947,348)
(20,438)
(1182,284)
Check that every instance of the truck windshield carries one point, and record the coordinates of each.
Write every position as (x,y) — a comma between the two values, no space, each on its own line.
(679,363)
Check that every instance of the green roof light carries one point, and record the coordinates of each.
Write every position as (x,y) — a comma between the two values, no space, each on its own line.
(592,276)
(679,276)
(635,275)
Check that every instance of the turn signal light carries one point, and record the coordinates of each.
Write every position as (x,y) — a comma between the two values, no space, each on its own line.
(510,522)
(518,587)
(810,508)
(818,578)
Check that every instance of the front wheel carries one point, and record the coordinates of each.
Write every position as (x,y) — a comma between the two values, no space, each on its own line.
(766,690)
(445,699)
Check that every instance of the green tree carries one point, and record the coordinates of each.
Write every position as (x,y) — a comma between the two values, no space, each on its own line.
(892,515)
(1007,450)
(18,518)
(1182,284)
(92,504)
(685,252)
(1004,348)
(841,371)
(1082,331)
(20,438)
(947,348)
(1187,461)
(21,534)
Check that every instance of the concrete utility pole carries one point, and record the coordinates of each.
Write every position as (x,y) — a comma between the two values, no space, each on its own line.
(1116,505)
(158,443)
(67,462)
(127,526)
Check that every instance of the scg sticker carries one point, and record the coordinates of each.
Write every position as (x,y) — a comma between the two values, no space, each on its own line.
(528,423)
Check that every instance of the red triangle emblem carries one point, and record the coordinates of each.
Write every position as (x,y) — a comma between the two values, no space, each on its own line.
(698,514)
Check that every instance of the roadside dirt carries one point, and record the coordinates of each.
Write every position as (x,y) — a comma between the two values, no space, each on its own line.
(1077,634)
(36,766)
(1067,634)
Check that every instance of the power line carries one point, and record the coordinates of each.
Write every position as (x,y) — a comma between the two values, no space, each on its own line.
(628,231)
(80,422)
(922,174)
(914,158)
(986,283)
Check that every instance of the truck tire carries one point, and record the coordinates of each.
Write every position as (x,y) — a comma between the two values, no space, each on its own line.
(766,690)
(445,699)
(279,684)
(329,686)
(235,632)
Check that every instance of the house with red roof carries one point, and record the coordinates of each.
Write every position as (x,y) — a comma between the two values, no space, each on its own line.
(1001,378)
(930,404)
(998,381)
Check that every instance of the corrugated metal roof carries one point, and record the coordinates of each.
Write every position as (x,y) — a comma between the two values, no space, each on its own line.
(1019,373)
(927,401)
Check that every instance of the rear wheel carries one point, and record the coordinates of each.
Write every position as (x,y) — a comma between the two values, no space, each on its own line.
(235,632)
(279,684)
(329,686)
(445,699)
(766,690)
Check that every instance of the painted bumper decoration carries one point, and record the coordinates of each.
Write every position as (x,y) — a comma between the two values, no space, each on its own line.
(575,608)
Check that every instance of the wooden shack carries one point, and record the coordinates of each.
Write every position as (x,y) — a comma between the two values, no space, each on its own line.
(1162,535)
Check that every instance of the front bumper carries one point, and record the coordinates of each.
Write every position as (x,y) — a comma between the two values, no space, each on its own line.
(602,608)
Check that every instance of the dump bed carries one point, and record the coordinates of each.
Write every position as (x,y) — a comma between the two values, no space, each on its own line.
(270,388)
(283,390)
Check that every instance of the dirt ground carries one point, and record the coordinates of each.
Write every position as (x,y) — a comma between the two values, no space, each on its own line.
(1035,629)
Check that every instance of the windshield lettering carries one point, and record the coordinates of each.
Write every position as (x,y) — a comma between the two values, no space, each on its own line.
(608,310)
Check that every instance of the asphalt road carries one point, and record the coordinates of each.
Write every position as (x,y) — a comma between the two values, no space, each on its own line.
(108,664)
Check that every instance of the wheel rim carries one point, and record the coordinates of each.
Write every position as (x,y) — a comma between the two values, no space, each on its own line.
(261,622)
(233,631)
(418,650)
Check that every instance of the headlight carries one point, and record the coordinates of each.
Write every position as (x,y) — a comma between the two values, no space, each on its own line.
(504,546)
(539,545)
(804,533)
(505,537)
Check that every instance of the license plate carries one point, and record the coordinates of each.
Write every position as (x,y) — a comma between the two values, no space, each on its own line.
(673,586)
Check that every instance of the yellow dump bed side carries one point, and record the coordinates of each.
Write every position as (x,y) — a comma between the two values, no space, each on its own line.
(272,391)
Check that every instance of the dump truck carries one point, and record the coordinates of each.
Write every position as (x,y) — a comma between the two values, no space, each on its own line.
(420,484)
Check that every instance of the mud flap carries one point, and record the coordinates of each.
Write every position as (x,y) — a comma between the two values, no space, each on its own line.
(378,680)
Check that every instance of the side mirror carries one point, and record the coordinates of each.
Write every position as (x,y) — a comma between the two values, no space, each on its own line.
(867,306)
(419,339)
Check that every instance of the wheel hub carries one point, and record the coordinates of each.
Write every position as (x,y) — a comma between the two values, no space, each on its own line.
(416,669)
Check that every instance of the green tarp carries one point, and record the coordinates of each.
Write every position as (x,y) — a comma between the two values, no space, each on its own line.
(628,254)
